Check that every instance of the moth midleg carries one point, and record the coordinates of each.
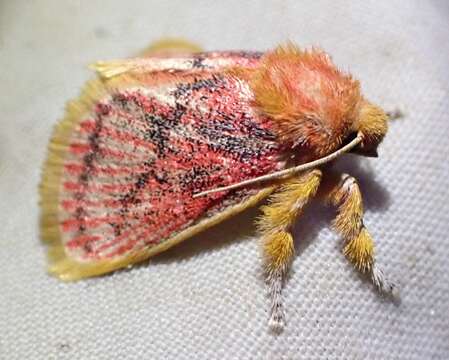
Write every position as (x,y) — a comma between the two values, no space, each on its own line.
(344,192)
(274,226)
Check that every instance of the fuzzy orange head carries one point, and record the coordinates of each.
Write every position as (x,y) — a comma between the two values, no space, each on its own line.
(372,122)
(314,105)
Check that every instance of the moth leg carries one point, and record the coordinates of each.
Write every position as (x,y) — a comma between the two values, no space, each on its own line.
(276,240)
(344,192)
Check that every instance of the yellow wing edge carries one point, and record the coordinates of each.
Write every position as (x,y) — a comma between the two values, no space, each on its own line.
(60,264)
(170,45)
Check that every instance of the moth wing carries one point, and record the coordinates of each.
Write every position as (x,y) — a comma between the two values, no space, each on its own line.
(123,165)
(172,56)
(170,46)
(159,50)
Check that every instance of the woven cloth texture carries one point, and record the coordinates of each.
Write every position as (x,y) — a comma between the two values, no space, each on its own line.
(206,298)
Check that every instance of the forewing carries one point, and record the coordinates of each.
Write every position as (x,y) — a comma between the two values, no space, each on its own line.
(185,63)
(125,162)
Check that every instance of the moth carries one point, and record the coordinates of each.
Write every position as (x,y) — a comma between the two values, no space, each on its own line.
(162,146)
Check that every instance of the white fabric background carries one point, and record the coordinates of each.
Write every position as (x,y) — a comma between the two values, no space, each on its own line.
(206,299)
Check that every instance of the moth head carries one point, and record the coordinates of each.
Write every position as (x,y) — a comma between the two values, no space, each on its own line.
(372,123)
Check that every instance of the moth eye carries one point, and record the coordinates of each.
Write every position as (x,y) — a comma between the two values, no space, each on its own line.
(357,149)
(361,149)
(349,138)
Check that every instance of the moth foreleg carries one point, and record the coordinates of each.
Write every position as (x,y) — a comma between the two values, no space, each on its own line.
(276,240)
(344,192)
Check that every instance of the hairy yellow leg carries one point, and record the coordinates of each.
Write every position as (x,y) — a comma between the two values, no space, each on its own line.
(276,240)
(344,192)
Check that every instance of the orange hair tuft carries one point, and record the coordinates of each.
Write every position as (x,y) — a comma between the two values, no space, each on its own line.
(312,103)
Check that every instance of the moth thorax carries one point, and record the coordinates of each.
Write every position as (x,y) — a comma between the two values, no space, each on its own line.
(312,103)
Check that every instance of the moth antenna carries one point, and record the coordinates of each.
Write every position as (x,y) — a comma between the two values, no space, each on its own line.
(290,171)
